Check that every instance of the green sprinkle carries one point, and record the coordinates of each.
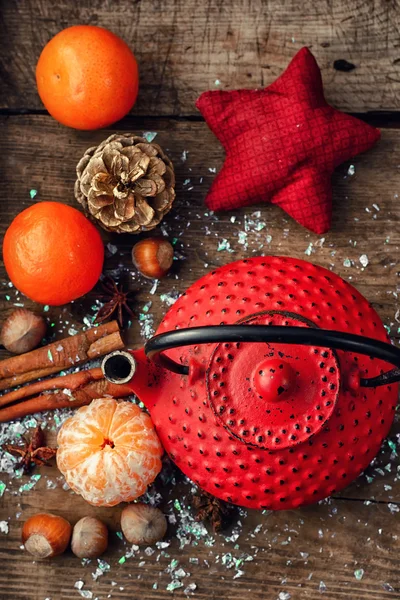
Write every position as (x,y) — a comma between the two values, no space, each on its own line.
(359,574)
(57,420)
(392,446)
(2,488)
(52,324)
(119,534)
(174,240)
(177,505)
(347,262)
(149,135)
(174,585)
(174,564)
(33,194)
(155,586)
(49,355)
(238,562)
(46,308)
(122,560)
(8,297)
(28,486)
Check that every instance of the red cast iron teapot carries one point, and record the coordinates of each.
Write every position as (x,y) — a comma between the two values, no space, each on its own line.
(268,382)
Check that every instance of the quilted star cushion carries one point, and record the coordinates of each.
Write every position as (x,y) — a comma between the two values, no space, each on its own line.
(282,144)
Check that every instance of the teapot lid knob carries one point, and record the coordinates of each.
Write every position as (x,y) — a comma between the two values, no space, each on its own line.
(274,379)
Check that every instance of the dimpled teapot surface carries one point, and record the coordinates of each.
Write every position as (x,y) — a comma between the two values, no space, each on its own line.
(265,423)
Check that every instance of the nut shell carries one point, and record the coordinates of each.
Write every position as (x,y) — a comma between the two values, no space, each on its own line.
(22,331)
(89,538)
(45,535)
(153,257)
(142,524)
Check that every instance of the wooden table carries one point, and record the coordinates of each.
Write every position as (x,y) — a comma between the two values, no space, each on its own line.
(348,546)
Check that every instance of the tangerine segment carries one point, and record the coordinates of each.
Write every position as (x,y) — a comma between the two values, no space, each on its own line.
(109,452)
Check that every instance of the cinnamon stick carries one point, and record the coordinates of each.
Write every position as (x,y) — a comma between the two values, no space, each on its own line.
(60,355)
(71,382)
(81,397)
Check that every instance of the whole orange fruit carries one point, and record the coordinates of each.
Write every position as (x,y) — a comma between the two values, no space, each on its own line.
(87,77)
(52,253)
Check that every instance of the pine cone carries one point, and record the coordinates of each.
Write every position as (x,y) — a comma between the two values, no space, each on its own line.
(125,183)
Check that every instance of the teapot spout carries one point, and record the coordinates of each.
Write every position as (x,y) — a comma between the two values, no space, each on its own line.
(132,370)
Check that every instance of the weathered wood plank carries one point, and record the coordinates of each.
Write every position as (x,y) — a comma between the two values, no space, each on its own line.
(300,552)
(185,48)
(365,219)
(339,536)
(43,164)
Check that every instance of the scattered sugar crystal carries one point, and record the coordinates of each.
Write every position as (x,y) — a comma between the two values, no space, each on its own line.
(86,594)
(394,508)
(4,527)
(190,588)
(238,574)
(154,287)
(79,584)
(322,587)
(347,262)
(364,260)
(184,155)
(112,248)
(387,587)
(351,170)
(284,596)
(309,250)
(180,573)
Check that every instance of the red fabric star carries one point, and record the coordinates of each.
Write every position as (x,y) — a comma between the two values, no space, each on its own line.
(282,144)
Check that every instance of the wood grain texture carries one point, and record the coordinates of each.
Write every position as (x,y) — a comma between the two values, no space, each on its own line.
(354,530)
(292,552)
(365,215)
(185,48)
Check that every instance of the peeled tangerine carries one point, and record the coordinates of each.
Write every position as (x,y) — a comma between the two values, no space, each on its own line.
(109,452)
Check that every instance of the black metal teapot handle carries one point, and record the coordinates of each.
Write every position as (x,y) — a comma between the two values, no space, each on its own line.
(337,340)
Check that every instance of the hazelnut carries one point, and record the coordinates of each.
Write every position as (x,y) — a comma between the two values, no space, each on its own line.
(22,331)
(153,257)
(89,538)
(142,524)
(45,535)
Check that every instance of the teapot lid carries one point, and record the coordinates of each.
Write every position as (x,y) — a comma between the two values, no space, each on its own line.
(269,425)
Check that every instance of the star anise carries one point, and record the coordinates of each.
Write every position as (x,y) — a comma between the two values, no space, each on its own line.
(115,300)
(33,452)
(210,508)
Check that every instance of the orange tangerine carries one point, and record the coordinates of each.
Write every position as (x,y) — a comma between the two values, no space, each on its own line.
(109,452)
